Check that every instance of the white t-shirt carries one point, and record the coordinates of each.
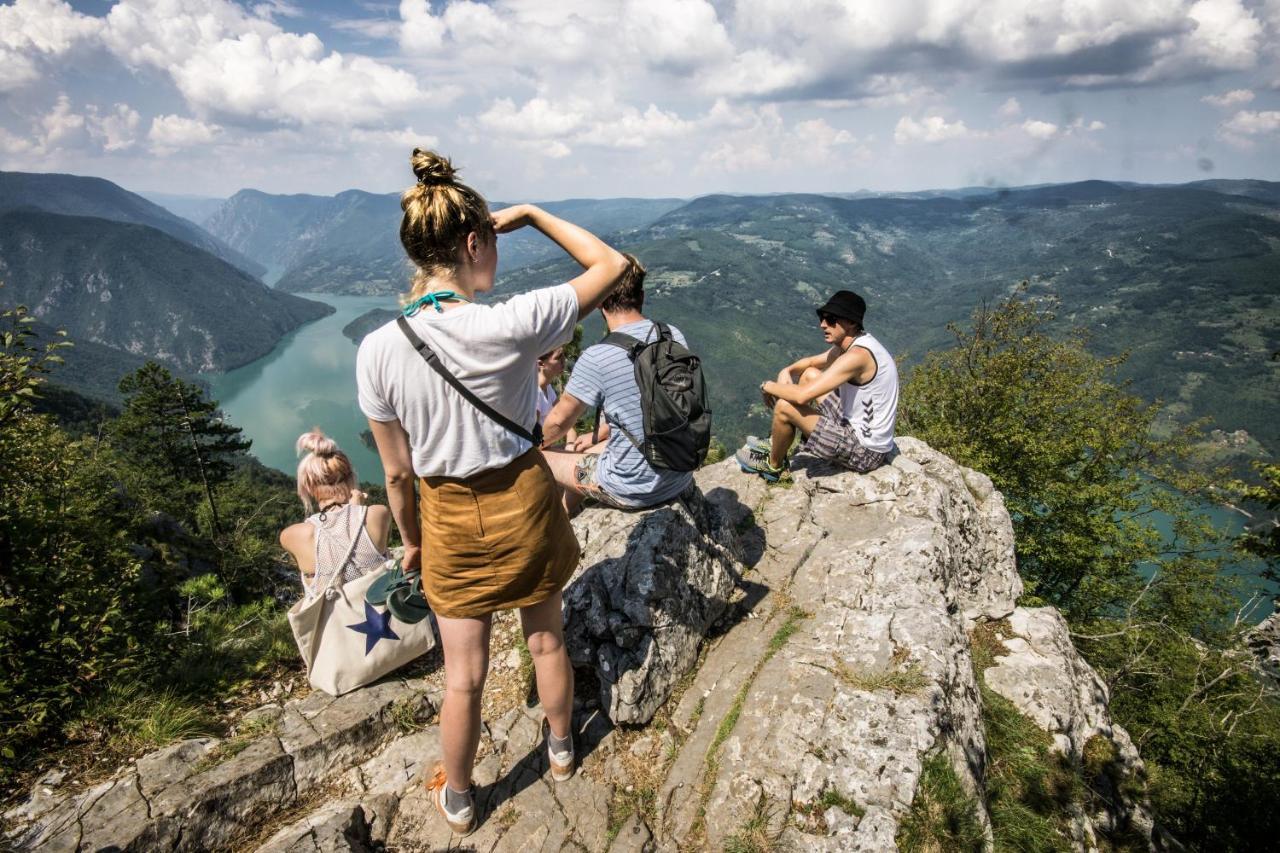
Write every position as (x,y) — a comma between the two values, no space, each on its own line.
(492,349)
(546,401)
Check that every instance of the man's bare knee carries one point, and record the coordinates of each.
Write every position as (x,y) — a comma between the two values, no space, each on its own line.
(810,374)
(786,412)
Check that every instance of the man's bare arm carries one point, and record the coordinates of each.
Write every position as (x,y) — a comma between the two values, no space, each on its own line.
(790,375)
(848,367)
(563,415)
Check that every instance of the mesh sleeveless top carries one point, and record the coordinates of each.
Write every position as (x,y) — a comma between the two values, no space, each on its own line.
(873,408)
(342,545)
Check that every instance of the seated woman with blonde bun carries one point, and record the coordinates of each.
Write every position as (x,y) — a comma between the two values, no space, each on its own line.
(343,535)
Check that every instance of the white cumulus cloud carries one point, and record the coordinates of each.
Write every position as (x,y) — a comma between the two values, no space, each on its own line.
(1229,99)
(35,31)
(116,130)
(1241,129)
(173,132)
(1039,129)
(929,129)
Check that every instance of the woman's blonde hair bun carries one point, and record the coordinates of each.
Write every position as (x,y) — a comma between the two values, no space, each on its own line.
(431,168)
(439,212)
(324,472)
(316,442)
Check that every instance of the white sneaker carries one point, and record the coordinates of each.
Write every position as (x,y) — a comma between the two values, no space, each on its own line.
(561,762)
(462,821)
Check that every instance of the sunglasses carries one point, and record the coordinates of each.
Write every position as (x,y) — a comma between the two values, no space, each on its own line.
(829,319)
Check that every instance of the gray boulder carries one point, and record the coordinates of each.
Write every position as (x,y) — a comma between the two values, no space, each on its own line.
(649,589)
(1264,643)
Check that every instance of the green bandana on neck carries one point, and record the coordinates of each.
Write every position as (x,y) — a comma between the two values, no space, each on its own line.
(433,299)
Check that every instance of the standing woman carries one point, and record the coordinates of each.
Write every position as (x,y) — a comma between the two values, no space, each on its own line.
(488,528)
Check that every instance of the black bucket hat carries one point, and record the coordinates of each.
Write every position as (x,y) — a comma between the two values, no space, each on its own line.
(846,305)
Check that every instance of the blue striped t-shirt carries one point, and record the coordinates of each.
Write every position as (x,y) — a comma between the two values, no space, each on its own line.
(604,376)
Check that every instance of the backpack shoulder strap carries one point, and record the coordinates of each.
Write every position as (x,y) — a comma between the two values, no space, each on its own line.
(623,341)
(433,361)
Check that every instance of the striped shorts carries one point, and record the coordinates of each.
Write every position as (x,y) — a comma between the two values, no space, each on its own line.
(834,439)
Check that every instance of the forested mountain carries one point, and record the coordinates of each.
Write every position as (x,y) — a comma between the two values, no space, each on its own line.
(194,208)
(76,195)
(141,292)
(349,243)
(1186,280)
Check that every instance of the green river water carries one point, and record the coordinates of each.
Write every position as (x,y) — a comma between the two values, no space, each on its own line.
(308,380)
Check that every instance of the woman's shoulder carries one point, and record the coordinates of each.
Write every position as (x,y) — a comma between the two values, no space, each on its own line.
(296,534)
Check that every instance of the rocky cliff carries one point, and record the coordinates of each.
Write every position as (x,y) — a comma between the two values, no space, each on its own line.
(811,666)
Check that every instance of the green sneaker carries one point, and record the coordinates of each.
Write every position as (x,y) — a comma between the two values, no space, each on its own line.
(756,461)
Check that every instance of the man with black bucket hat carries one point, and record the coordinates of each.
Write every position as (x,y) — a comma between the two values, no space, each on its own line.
(843,401)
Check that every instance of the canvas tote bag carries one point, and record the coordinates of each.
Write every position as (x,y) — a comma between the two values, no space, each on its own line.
(347,642)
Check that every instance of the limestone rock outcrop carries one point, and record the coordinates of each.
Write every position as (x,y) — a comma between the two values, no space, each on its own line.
(757,664)
(649,589)
(1045,678)
(1264,643)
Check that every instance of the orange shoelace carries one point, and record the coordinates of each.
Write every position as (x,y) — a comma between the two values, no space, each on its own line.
(437,780)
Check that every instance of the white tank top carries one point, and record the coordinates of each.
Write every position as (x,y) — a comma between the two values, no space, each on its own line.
(342,545)
(872,408)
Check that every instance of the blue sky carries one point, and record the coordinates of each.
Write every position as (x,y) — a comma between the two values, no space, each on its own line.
(570,98)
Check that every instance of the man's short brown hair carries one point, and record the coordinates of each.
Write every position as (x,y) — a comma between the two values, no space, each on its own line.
(629,294)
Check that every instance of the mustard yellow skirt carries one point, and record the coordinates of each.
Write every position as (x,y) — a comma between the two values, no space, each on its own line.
(494,541)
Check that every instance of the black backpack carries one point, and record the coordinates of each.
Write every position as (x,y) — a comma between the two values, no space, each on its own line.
(673,400)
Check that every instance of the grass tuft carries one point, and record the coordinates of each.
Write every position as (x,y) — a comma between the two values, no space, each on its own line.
(641,800)
(406,713)
(128,719)
(943,816)
(900,677)
(249,731)
(756,835)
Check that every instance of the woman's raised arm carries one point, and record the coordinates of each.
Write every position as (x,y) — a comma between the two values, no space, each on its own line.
(602,264)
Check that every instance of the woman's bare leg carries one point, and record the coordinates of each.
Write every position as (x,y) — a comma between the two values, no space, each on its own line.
(466,664)
(544,633)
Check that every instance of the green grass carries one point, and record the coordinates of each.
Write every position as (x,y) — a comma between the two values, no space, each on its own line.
(406,713)
(129,719)
(943,816)
(248,731)
(756,835)
(1031,788)
(832,798)
(641,800)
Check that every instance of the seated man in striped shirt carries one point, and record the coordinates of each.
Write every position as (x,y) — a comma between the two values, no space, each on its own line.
(612,469)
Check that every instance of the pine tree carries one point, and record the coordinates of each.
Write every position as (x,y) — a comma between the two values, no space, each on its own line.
(170,430)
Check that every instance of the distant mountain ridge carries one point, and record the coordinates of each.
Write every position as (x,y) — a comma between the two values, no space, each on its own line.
(142,292)
(78,195)
(350,243)
(193,208)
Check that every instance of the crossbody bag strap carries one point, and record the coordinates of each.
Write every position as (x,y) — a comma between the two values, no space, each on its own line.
(433,361)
